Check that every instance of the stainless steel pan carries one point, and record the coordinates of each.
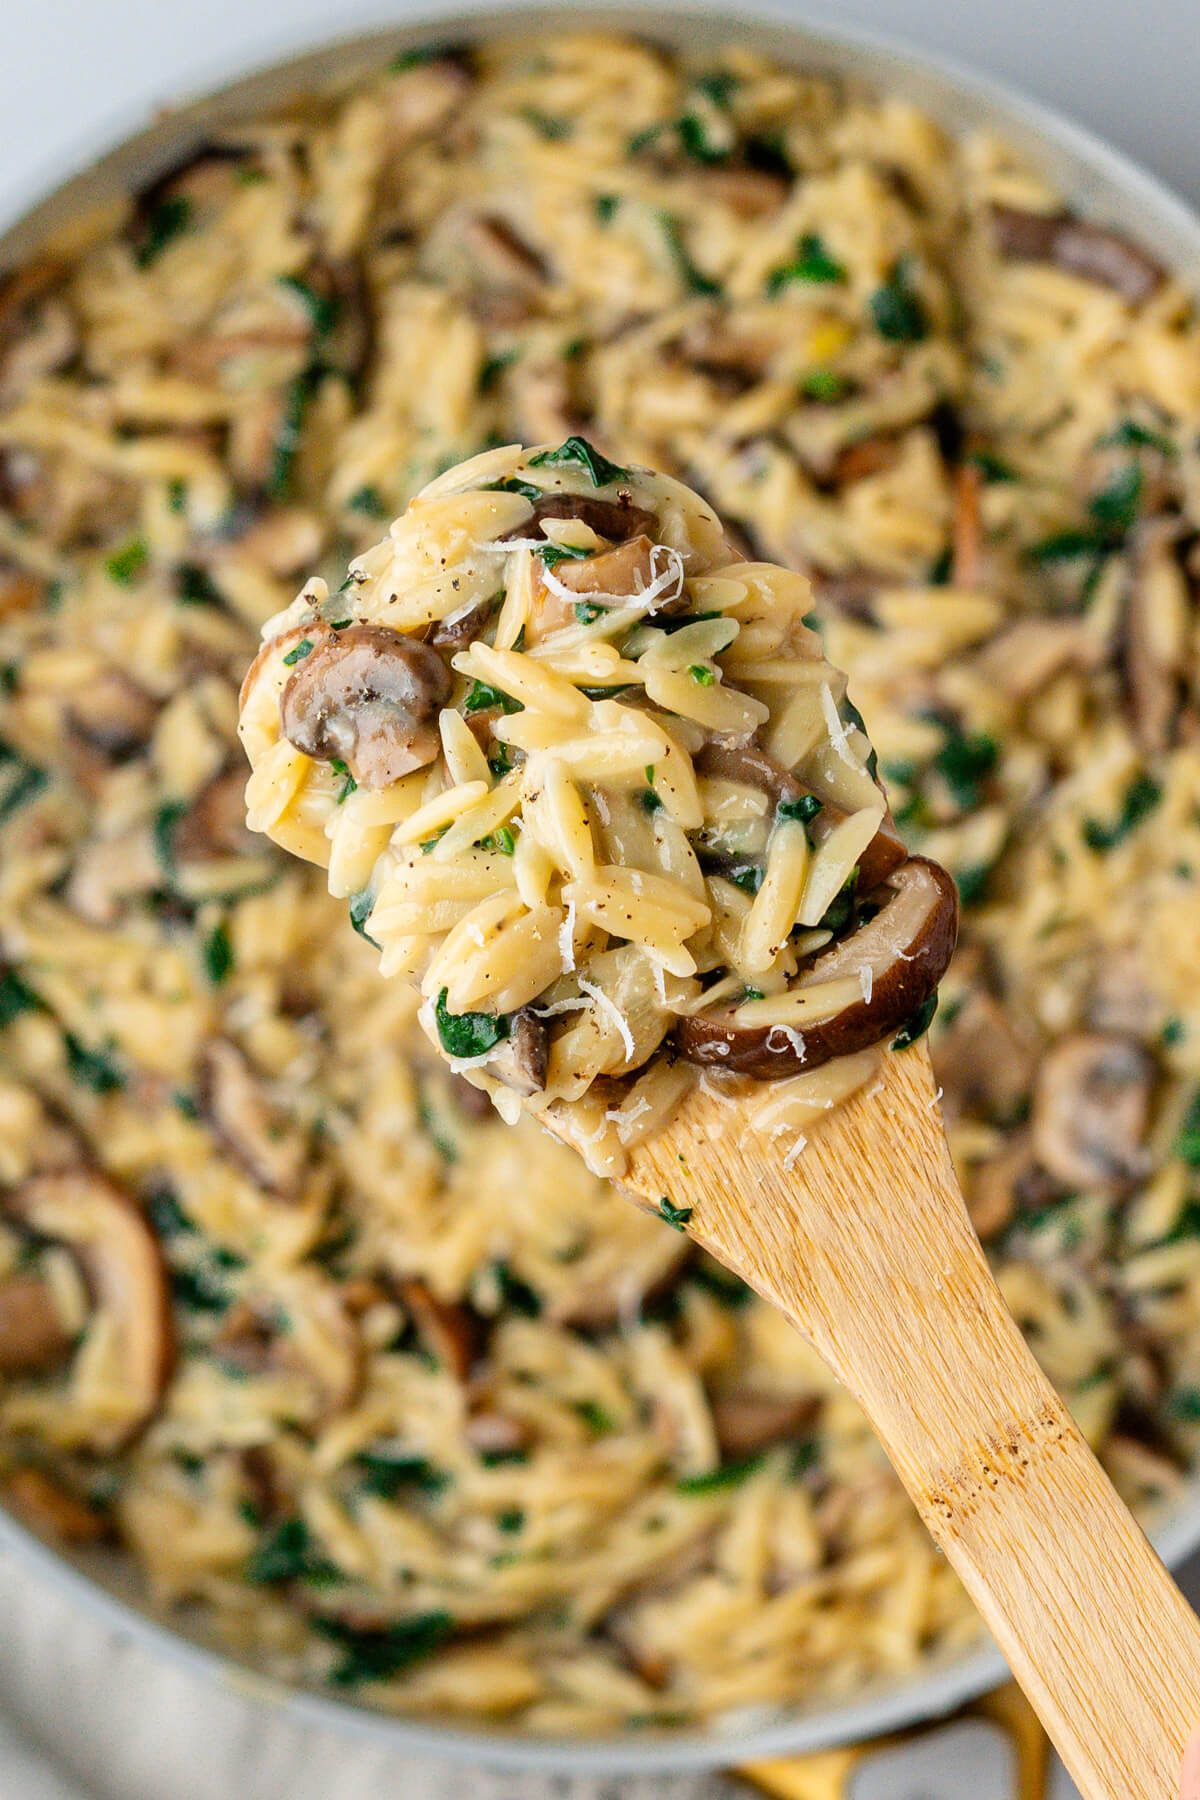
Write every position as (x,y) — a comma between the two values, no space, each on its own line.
(1094,178)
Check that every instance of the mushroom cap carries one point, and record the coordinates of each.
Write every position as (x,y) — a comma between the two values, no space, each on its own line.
(124,1270)
(369,697)
(900,956)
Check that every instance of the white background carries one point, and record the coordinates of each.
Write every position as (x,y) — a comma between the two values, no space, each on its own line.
(75,73)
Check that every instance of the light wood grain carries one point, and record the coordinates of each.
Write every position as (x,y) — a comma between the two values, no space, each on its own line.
(865,1244)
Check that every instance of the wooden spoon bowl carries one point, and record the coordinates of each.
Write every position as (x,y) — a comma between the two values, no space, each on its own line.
(864,1242)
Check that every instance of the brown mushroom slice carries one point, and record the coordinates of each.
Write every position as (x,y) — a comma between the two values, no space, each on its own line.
(980,1059)
(967,543)
(453,1333)
(613,519)
(122,1265)
(461,629)
(1026,655)
(510,277)
(869,456)
(1078,247)
(750,193)
(1091,1106)
(899,957)
(369,697)
(748,1420)
(214,825)
(112,715)
(519,1061)
(54,1509)
(269,1147)
(628,569)
(493,1433)
(33,1338)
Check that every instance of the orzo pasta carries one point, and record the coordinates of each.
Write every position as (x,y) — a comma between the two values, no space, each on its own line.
(593,784)
(394,1395)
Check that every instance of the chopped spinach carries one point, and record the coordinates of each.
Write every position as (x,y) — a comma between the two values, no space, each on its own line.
(1141,797)
(576,451)
(972,882)
(718,86)
(388,1650)
(726,1475)
(964,762)
(510,1520)
(594,1416)
(812,262)
(649,801)
(162,833)
(22,782)
(218,953)
(990,466)
(194,586)
(481,698)
(917,1023)
(1187,1144)
(127,563)
(1129,435)
(1115,508)
(360,911)
(693,278)
(322,309)
(170,218)
(553,554)
(678,1216)
(470,1033)
(287,1553)
(95,1069)
(368,501)
(824,385)
(392,1476)
(1184,1404)
(804,809)
(349,785)
(299,652)
(897,310)
(553,130)
(16,997)
(299,398)
(511,485)
(166,1215)
(516,1295)
(605,206)
(696,143)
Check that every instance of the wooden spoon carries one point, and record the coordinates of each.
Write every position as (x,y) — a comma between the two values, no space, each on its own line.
(865,1244)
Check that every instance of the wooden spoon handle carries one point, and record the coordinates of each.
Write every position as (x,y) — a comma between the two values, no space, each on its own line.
(885,1277)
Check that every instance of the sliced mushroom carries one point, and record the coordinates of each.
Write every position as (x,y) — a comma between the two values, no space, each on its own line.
(368,697)
(899,958)
(112,715)
(287,540)
(510,277)
(870,456)
(55,1510)
(750,193)
(748,1419)
(613,519)
(744,763)
(968,526)
(1122,999)
(214,825)
(461,629)
(1080,248)
(299,1324)
(471,1100)
(1091,1106)
(38,332)
(33,1338)
(519,1060)
(721,346)
(491,1432)
(626,570)
(1011,1182)
(122,1265)
(980,1059)
(269,1147)
(452,1332)
(18,592)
